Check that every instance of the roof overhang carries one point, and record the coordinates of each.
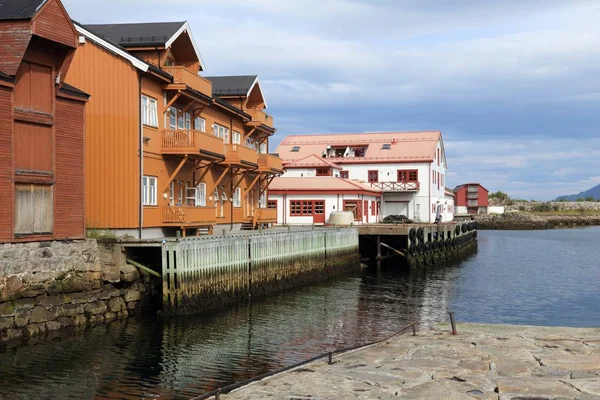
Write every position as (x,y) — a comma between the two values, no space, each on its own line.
(256,82)
(136,62)
(186,28)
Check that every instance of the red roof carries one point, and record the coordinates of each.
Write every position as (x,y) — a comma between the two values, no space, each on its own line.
(404,146)
(319,184)
(313,161)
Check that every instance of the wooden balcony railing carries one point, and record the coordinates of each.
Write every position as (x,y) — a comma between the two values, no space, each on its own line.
(260,116)
(183,75)
(396,186)
(189,215)
(269,162)
(266,215)
(240,155)
(192,143)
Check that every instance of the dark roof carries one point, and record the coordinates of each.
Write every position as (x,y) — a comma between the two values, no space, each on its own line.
(143,34)
(19,9)
(232,85)
(73,91)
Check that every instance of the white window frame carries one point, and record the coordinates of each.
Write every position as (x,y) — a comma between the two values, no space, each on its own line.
(150,190)
(149,111)
(201,195)
(236,138)
(188,121)
(180,121)
(200,124)
(222,132)
(262,149)
(173,118)
(237,197)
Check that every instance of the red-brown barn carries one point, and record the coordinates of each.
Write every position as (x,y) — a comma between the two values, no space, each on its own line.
(471,198)
(41,124)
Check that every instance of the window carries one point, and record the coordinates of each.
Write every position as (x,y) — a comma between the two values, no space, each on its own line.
(438,157)
(172,118)
(433,176)
(386,146)
(438,180)
(180,199)
(373,208)
(408,175)
(149,190)
(201,195)
(295,208)
(296,149)
(262,200)
(236,138)
(263,148)
(222,132)
(188,121)
(373,176)
(200,124)
(149,111)
(181,122)
(272,204)
(34,211)
(172,194)
(237,197)
(306,208)
(323,172)
(344,174)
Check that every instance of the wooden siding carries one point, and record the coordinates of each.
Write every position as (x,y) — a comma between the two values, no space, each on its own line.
(53,23)
(14,39)
(34,211)
(69,186)
(33,147)
(6,168)
(111,145)
(34,89)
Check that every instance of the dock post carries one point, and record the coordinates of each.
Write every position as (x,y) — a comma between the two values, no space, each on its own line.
(378,251)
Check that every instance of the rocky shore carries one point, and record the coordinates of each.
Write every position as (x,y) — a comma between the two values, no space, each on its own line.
(518,220)
(497,362)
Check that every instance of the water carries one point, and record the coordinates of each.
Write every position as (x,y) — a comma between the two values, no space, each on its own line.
(536,277)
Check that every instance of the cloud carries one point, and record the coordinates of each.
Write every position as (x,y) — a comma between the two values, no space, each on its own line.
(512,84)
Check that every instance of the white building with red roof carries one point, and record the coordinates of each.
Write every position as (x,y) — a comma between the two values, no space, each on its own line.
(408,169)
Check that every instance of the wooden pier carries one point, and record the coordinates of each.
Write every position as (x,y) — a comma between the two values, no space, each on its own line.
(418,244)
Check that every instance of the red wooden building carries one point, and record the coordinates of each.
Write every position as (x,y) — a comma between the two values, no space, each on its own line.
(41,124)
(471,198)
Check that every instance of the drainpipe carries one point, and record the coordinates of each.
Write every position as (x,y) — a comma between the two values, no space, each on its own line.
(429,204)
(285,208)
(231,174)
(141,154)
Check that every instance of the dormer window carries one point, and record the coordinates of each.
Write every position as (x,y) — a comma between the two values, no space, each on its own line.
(295,149)
(386,146)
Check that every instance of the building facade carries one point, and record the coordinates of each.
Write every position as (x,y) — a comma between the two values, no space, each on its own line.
(408,168)
(311,200)
(165,151)
(41,125)
(471,198)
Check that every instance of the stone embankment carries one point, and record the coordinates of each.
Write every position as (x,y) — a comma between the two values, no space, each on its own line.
(46,286)
(570,206)
(517,220)
(497,362)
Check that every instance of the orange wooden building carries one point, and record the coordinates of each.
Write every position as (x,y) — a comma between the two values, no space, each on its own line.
(168,150)
(41,124)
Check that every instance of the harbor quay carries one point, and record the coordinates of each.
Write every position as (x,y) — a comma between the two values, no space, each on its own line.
(481,362)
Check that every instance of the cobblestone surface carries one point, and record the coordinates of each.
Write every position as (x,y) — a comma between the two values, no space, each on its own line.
(482,362)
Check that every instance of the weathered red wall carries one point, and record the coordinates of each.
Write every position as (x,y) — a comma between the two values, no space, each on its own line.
(69,186)
(483,199)
(52,23)
(14,38)
(461,197)
(6,171)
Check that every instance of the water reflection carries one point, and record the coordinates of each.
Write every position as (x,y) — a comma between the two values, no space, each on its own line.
(183,357)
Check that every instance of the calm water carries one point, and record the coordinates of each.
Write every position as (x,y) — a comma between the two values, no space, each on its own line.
(538,277)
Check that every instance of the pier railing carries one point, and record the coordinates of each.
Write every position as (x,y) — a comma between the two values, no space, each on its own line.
(201,270)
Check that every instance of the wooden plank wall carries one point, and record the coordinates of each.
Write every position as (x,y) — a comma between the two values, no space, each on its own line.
(198,268)
(6,168)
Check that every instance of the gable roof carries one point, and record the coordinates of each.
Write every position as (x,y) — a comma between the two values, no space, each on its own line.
(312,161)
(19,9)
(146,34)
(404,146)
(236,85)
(469,184)
(319,183)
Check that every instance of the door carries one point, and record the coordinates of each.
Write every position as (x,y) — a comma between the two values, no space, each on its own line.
(354,206)
(319,212)
(396,208)
(366,208)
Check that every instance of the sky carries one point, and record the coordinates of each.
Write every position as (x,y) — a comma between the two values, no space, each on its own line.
(513,85)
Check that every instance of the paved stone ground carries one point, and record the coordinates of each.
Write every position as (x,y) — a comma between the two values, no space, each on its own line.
(482,362)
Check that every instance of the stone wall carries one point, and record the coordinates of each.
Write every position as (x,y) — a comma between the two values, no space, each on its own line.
(46,286)
(554,206)
(526,221)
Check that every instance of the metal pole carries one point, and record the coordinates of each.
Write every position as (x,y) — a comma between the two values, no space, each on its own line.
(453,323)
(330,358)
(217,395)
(414,329)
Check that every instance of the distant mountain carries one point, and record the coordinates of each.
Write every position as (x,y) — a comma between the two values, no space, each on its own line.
(593,192)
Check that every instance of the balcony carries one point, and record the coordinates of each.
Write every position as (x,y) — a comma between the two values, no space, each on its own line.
(266,215)
(270,163)
(260,116)
(396,186)
(189,216)
(472,189)
(183,75)
(236,154)
(472,203)
(472,196)
(193,143)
